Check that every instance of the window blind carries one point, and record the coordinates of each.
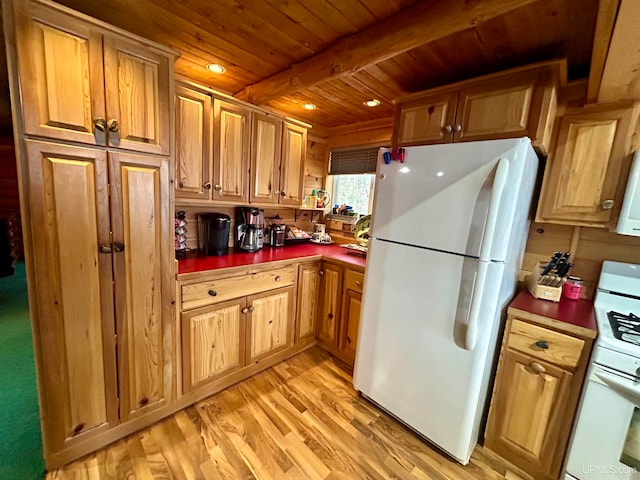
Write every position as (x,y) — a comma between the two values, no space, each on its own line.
(353,161)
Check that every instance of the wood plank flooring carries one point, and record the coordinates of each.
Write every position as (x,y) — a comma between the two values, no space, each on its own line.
(298,420)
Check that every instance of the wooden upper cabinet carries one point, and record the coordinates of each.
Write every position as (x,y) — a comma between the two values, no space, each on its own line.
(61,75)
(294,152)
(506,105)
(193,143)
(266,151)
(425,121)
(231,152)
(143,256)
(585,175)
(83,83)
(69,204)
(137,96)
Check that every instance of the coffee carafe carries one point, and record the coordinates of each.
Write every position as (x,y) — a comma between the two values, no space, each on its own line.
(249,228)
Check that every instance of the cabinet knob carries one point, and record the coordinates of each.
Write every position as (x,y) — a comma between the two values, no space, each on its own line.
(251,309)
(78,428)
(282,193)
(543,344)
(276,192)
(278,278)
(213,293)
(358,283)
(457,128)
(207,185)
(537,368)
(245,310)
(113,125)
(321,272)
(217,187)
(118,246)
(607,204)
(100,124)
(448,128)
(104,248)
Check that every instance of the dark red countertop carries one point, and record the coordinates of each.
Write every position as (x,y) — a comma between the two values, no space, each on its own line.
(239,258)
(579,313)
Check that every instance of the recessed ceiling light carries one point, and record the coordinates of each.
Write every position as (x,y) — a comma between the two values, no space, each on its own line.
(216,68)
(372,103)
(439,174)
(308,106)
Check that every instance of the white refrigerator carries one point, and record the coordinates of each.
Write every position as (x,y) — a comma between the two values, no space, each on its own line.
(449,230)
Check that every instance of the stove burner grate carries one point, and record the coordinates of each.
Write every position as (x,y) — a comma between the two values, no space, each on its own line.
(625,327)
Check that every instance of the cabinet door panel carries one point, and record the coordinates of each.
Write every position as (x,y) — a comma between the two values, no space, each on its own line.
(528,409)
(423,122)
(502,109)
(137,96)
(61,75)
(213,342)
(294,152)
(586,169)
(330,308)
(69,206)
(141,223)
(270,322)
(265,158)
(308,300)
(352,303)
(193,143)
(231,152)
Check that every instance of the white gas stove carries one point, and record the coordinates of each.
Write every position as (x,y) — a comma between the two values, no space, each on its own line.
(606,437)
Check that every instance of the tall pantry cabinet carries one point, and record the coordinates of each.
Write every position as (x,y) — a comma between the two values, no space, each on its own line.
(92,110)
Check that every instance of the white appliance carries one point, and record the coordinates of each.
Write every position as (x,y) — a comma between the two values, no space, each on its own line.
(629,221)
(448,235)
(606,437)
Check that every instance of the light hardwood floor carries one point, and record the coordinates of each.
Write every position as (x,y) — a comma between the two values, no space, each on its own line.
(300,419)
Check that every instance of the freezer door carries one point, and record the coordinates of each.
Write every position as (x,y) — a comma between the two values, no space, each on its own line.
(439,198)
(411,356)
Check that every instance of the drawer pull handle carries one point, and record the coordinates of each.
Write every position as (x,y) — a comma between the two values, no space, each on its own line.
(278,278)
(213,293)
(358,283)
(537,368)
(543,344)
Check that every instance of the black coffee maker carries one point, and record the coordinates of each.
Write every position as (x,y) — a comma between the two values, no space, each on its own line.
(249,229)
(213,233)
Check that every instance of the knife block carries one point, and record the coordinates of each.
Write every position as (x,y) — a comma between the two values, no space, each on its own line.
(544,292)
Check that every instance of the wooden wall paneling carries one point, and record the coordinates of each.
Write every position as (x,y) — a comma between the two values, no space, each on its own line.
(75,320)
(544,239)
(375,132)
(137,94)
(143,268)
(605,21)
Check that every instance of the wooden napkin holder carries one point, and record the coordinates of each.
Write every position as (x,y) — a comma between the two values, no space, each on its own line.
(544,292)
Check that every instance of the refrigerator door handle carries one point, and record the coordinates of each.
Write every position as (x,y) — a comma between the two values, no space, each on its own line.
(474,310)
(499,182)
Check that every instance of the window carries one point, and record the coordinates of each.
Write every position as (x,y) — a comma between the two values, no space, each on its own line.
(355,191)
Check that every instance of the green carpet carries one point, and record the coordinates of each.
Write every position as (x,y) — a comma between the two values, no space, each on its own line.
(20,442)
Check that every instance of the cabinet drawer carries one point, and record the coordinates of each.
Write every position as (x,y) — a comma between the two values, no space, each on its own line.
(354,281)
(547,345)
(214,291)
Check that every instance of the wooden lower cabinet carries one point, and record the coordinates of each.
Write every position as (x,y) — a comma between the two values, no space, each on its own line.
(351,306)
(213,340)
(331,297)
(540,374)
(308,301)
(270,323)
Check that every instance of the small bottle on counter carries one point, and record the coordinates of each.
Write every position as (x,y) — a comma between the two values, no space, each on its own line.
(572,288)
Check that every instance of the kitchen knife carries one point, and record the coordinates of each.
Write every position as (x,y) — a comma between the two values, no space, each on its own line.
(552,263)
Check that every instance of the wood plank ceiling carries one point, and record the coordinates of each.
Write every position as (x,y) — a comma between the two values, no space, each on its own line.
(256,39)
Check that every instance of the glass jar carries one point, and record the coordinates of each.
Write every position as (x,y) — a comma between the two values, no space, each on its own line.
(572,288)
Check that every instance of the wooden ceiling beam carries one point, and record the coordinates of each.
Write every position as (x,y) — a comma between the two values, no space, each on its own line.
(421,23)
(621,75)
(605,21)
